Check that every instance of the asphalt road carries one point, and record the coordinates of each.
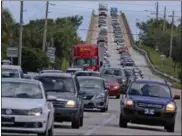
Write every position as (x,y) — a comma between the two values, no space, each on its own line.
(97,123)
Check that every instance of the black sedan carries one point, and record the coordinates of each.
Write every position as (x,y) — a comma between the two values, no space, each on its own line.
(69,107)
(94,93)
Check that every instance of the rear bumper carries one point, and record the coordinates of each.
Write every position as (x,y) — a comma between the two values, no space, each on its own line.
(114,92)
(137,116)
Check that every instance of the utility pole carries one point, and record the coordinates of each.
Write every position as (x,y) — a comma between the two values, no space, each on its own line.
(164,21)
(45,27)
(157,11)
(21,34)
(171,39)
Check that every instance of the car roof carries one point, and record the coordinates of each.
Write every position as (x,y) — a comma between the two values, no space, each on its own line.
(11,67)
(20,80)
(55,75)
(113,68)
(151,81)
(91,77)
(75,69)
(88,72)
(49,70)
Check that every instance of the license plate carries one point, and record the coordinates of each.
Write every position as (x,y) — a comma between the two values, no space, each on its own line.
(149,111)
(7,120)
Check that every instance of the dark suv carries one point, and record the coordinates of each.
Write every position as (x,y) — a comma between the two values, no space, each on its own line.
(149,102)
(64,88)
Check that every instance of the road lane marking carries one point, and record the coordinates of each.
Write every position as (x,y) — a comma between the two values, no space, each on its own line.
(106,121)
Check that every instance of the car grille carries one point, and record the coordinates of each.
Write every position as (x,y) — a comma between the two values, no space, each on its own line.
(88,97)
(14,112)
(149,105)
(59,103)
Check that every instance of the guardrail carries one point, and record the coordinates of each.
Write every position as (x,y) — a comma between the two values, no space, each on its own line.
(145,54)
(89,33)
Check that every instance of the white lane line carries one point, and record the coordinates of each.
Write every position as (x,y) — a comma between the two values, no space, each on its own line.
(106,121)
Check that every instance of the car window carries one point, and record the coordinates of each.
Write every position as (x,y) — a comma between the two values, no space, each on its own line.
(10,73)
(113,72)
(21,90)
(150,89)
(90,83)
(57,84)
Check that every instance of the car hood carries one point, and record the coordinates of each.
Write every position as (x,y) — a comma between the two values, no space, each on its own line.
(63,95)
(152,100)
(19,103)
(89,91)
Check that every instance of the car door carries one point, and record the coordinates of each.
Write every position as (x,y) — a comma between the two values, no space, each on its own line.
(106,92)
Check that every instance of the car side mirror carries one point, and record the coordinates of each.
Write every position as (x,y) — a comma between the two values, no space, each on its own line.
(101,63)
(51,98)
(176,97)
(123,91)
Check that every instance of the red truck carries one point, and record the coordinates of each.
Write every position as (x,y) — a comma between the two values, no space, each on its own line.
(90,55)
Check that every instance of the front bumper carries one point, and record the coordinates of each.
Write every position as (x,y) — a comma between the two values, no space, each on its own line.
(66,114)
(28,124)
(159,118)
(94,103)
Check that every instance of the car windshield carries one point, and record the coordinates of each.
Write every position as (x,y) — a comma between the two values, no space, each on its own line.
(91,83)
(21,90)
(9,73)
(110,79)
(81,62)
(87,74)
(129,64)
(57,84)
(150,89)
(115,72)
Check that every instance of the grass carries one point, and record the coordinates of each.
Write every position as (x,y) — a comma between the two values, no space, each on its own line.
(168,64)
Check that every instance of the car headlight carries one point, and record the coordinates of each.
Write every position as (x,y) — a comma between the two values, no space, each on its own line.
(128,102)
(71,104)
(100,96)
(123,80)
(116,87)
(170,107)
(35,112)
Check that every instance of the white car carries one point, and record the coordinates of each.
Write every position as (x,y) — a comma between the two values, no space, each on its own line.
(25,108)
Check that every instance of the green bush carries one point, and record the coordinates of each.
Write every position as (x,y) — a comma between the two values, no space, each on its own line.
(33,59)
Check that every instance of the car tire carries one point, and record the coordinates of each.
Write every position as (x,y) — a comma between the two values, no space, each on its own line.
(170,127)
(50,132)
(81,120)
(75,123)
(118,96)
(122,122)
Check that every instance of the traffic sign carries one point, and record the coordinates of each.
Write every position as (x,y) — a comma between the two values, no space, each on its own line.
(51,54)
(12,52)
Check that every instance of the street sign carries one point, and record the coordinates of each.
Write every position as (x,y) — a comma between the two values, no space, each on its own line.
(51,54)
(12,52)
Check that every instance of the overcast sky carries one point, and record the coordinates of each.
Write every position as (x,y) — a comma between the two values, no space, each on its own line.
(133,10)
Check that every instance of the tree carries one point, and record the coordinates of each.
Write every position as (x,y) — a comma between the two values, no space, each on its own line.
(33,59)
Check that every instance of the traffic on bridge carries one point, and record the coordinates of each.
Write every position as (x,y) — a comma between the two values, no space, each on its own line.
(105,85)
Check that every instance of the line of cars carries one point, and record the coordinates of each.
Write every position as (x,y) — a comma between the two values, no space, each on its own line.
(148,102)
(103,32)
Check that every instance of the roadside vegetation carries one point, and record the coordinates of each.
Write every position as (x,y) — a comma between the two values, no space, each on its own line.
(155,40)
(63,31)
